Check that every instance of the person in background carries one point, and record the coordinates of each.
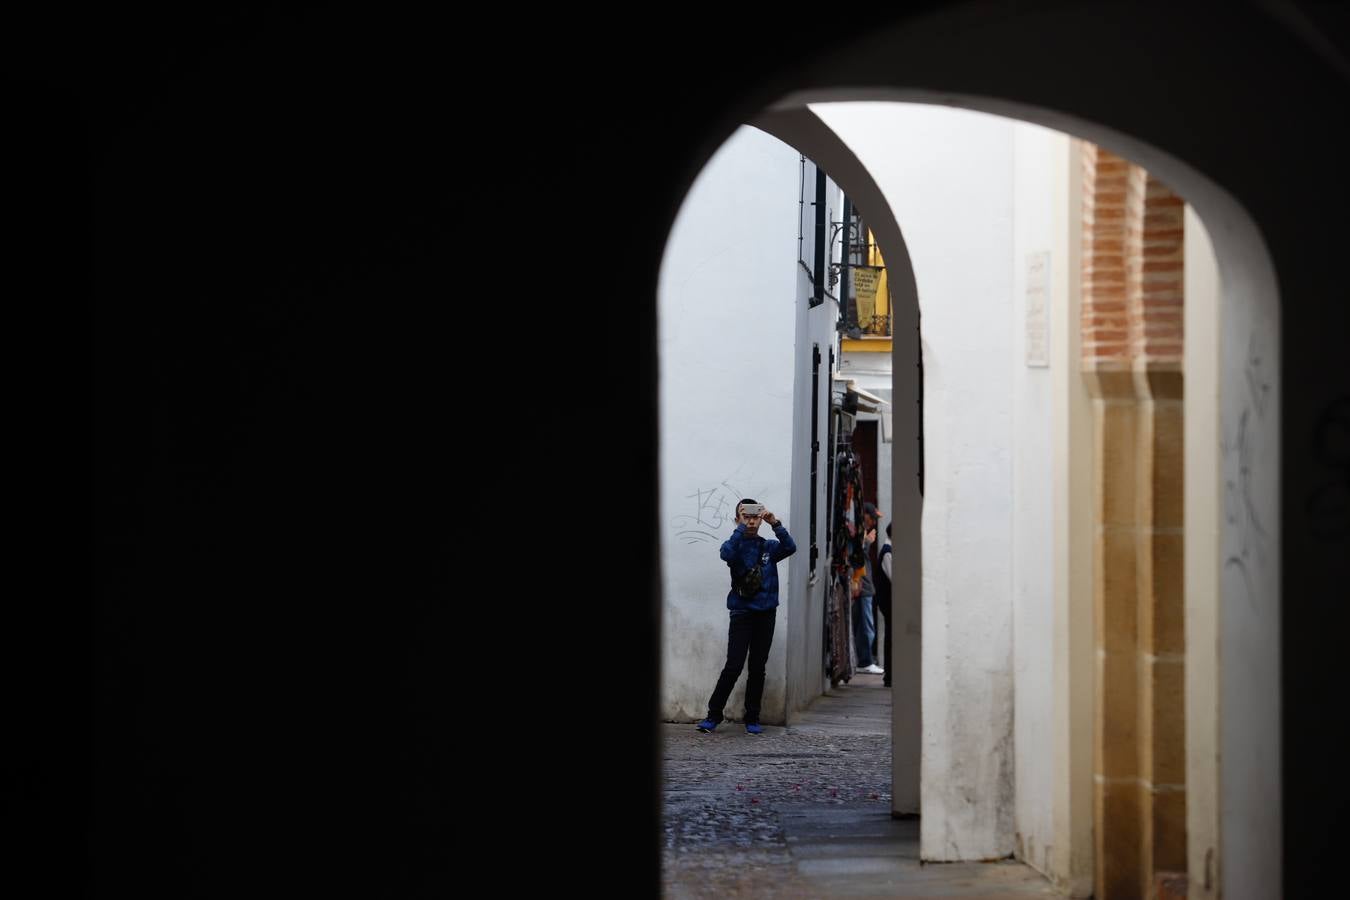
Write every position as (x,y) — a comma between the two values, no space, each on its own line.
(864,620)
(883,602)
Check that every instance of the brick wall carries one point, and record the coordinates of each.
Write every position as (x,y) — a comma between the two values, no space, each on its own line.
(1132,265)
(1157,314)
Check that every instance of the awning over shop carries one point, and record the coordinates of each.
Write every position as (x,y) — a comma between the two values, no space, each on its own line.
(867,401)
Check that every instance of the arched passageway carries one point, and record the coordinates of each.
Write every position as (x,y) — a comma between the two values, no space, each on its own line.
(291,162)
(1184,133)
(956,754)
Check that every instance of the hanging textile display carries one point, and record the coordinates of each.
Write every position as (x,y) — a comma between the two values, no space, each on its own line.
(838,650)
(847,567)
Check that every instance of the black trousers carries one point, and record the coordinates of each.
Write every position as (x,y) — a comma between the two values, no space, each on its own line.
(751,632)
(883,603)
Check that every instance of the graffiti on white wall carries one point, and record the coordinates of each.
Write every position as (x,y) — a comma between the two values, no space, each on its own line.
(1249,539)
(712,510)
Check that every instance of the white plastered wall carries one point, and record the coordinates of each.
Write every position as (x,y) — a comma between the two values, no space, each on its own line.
(727,323)
(948,175)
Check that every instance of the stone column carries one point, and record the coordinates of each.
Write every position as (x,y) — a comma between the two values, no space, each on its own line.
(1132,364)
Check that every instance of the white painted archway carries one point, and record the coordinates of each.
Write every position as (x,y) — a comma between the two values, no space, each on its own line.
(1227,753)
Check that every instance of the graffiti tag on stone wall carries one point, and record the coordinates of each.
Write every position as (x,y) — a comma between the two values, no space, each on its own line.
(713,508)
(1239,455)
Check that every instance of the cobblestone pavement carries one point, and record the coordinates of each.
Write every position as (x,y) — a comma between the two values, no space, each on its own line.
(803,811)
(725,793)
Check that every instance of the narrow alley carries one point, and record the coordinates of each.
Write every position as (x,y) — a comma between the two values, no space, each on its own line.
(804,811)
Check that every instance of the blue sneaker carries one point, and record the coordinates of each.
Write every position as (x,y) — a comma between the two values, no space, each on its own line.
(753,728)
(707,726)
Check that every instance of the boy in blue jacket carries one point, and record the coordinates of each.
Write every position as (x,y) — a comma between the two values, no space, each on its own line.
(753,601)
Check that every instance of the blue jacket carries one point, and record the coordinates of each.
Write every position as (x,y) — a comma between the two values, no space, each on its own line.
(741,551)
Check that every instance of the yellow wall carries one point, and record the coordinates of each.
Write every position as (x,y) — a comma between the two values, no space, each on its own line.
(873,344)
(866,345)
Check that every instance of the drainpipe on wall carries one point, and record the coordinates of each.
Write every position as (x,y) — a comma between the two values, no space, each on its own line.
(850,305)
(821,258)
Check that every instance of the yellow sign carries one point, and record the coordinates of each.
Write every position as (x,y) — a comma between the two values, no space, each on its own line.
(865,293)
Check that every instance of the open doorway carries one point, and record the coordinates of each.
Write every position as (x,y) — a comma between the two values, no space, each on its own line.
(1012,803)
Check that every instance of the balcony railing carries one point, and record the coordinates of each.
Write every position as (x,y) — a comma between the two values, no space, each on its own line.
(876,326)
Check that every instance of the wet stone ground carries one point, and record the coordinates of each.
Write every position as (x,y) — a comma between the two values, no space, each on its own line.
(727,794)
(805,811)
